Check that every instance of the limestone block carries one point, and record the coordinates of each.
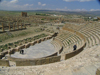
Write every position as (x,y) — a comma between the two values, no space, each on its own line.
(54,59)
(6,52)
(38,62)
(12,51)
(38,41)
(42,39)
(32,43)
(4,63)
(45,61)
(98,71)
(35,42)
(27,45)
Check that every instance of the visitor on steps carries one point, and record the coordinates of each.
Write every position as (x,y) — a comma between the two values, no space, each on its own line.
(21,51)
(74,47)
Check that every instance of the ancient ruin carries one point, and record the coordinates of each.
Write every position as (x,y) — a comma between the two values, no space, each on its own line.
(24,14)
(64,33)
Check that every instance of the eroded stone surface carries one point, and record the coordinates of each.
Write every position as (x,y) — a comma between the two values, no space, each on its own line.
(37,51)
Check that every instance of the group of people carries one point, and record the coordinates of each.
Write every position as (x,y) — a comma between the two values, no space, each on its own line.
(21,51)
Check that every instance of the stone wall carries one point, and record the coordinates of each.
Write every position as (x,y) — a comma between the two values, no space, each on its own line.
(55,54)
(69,55)
(4,63)
(31,62)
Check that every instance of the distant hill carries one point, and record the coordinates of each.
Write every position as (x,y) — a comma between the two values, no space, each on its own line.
(84,13)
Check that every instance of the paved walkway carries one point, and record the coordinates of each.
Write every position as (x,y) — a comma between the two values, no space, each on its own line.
(37,51)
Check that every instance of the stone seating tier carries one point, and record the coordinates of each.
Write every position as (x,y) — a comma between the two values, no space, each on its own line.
(84,63)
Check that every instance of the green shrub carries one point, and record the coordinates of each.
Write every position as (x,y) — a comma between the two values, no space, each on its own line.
(4,47)
(16,42)
(42,19)
(10,44)
(0,40)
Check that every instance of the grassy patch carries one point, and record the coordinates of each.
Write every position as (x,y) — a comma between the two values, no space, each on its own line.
(4,36)
(5,47)
(38,30)
(40,36)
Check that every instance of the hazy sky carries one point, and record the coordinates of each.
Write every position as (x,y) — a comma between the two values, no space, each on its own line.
(66,5)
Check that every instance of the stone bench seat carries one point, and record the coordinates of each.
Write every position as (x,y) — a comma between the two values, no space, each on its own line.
(56,45)
(94,37)
(63,35)
(88,38)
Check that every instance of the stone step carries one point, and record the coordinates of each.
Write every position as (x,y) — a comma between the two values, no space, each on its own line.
(80,71)
(56,45)
(91,69)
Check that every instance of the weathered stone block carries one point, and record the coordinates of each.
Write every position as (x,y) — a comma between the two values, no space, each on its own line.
(4,63)
(98,71)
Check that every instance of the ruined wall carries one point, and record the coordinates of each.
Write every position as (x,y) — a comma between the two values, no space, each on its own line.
(4,63)
(41,61)
(12,27)
(24,14)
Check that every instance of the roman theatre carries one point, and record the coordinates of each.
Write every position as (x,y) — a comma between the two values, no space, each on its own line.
(54,55)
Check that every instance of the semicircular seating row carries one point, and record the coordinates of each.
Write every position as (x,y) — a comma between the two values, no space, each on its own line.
(69,39)
(90,30)
(92,34)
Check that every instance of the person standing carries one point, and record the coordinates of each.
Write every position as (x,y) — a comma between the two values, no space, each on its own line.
(74,47)
(22,51)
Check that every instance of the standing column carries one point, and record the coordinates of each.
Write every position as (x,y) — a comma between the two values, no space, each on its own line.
(3,27)
(13,26)
(21,26)
(9,27)
(24,26)
(17,25)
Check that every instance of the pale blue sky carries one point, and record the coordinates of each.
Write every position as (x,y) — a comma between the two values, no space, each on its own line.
(65,5)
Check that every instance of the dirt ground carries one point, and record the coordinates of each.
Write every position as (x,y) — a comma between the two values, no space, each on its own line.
(22,34)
